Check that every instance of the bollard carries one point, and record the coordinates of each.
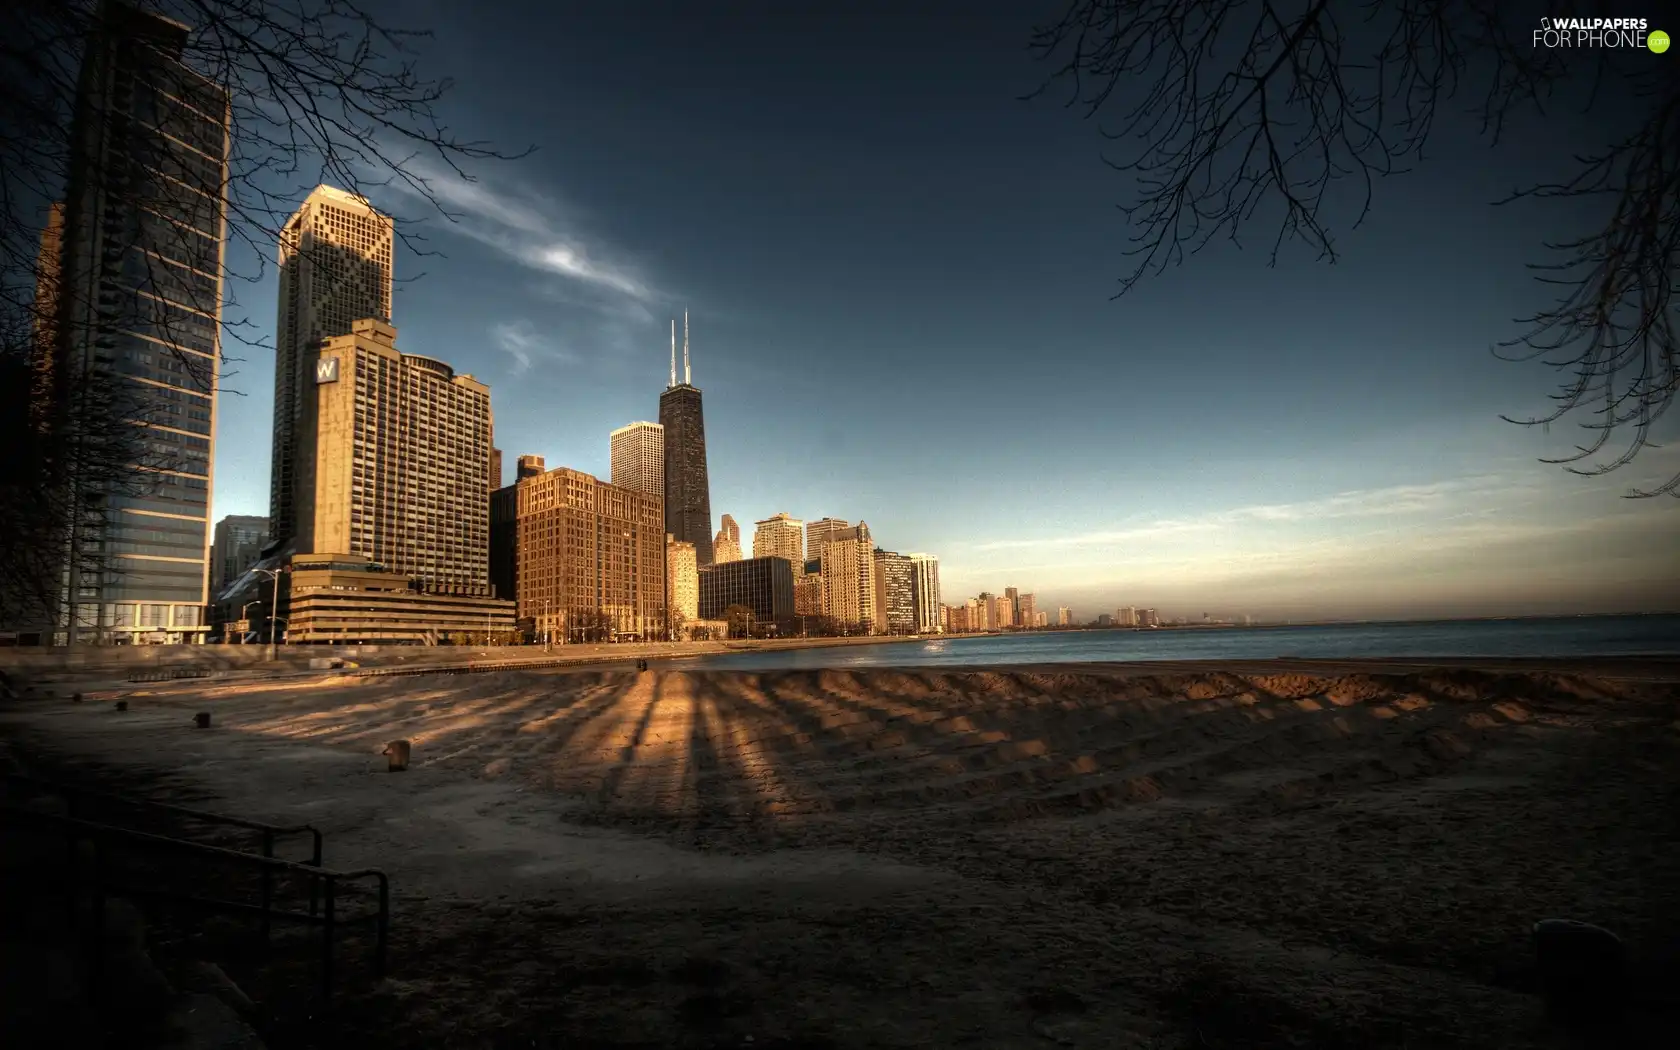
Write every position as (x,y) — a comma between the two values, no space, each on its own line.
(1582,974)
(202,720)
(398,750)
(122,705)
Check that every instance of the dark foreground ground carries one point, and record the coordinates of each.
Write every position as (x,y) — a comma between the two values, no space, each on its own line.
(1263,855)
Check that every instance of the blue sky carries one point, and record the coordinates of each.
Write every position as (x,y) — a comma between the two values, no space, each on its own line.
(898,277)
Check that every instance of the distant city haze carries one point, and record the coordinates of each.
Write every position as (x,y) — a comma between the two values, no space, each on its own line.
(899,292)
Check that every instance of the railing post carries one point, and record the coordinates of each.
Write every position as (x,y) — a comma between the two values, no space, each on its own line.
(267,882)
(327,940)
(315,859)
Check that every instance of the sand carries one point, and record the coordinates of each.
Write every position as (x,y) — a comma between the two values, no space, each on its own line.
(1265,854)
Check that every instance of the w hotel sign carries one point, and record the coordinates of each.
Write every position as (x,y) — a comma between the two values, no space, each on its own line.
(326,370)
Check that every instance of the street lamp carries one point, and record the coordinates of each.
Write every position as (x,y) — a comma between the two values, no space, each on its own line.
(274,610)
(244,618)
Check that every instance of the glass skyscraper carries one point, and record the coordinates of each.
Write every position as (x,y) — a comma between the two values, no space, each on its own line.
(139,305)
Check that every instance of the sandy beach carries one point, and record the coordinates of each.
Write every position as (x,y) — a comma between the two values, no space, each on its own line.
(1281,853)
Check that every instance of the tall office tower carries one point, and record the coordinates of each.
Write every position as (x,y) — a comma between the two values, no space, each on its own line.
(1003,612)
(139,299)
(688,499)
(980,613)
(1064,617)
(781,537)
(638,458)
(818,533)
(591,557)
(764,585)
(393,460)
(495,468)
(727,545)
(682,581)
(924,592)
(504,542)
(239,541)
(1026,611)
(1126,616)
(895,603)
(808,594)
(530,467)
(1014,597)
(335,270)
(847,563)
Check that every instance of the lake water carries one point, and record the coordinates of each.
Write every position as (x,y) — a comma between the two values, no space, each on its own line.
(1549,638)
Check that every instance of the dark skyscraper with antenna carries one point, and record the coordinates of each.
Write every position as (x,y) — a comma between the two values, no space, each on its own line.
(688,498)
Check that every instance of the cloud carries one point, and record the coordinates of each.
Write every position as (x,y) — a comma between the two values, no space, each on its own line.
(520,341)
(528,228)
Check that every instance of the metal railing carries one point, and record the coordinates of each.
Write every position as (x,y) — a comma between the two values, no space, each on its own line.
(324,883)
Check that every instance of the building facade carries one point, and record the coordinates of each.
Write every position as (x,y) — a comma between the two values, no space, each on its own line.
(764,585)
(1126,616)
(780,537)
(895,601)
(591,557)
(682,582)
(808,594)
(727,545)
(138,294)
(335,270)
(688,496)
(924,593)
(1026,611)
(824,531)
(848,574)
(393,460)
(1064,617)
(638,458)
(344,600)
(239,540)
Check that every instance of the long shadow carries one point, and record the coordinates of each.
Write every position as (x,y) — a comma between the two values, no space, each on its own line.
(608,790)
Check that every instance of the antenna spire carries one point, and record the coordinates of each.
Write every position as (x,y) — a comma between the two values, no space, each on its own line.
(688,377)
(673,351)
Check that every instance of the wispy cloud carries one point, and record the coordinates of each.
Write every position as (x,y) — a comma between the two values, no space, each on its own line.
(529,228)
(521,341)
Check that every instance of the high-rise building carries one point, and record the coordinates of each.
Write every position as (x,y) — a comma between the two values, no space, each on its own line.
(764,585)
(529,467)
(638,458)
(980,612)
(820,532)
(1147,618)
(1041,618)
(1126,616)
(495,469)
(1026,611)
(239,540)
(727,545)
(895,602)
(1002,611)
(138,295)
(808,594)
(682,582)
(1064,617)
(781,537)
(688,499)
(335,270)
(504,542)
(848,574)
(1014,597)
(924,592)
(591,557)
(957,618)
(393,459)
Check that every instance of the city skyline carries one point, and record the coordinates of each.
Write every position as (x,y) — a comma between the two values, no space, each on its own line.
(1318,445)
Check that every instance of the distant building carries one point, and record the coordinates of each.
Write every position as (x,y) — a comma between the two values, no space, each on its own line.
(957,618)
(1002,611)
(727,545)
(638,458)
(1026,611)
(895,602)
(347,600)
(980,612)
(848,572)
(780,537)
(924,593)
(1104,620)
(1041,619)
(1126,616)
(238,543)
(688,499)
(682,581)
(495,469)
(823,531)
(1064,617)
(764,585)
(808,594)
(1014,597)
(504,541)
(1148,618)
(591,557)
(529,467)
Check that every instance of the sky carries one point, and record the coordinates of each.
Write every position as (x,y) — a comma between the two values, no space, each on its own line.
(899,279)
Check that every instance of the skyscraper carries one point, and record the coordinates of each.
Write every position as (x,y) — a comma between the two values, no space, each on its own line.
(1026,611)
(1064,616)
(638,458)
(335,270)
(924,592)
(823,531)
(727,545)
(846,560)
(393,460)
(239,541)
(895,604)
(688,499)
(139,298)
(781,537)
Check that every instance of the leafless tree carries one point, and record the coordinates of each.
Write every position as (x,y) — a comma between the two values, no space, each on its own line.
(312,91)
(1232,112)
